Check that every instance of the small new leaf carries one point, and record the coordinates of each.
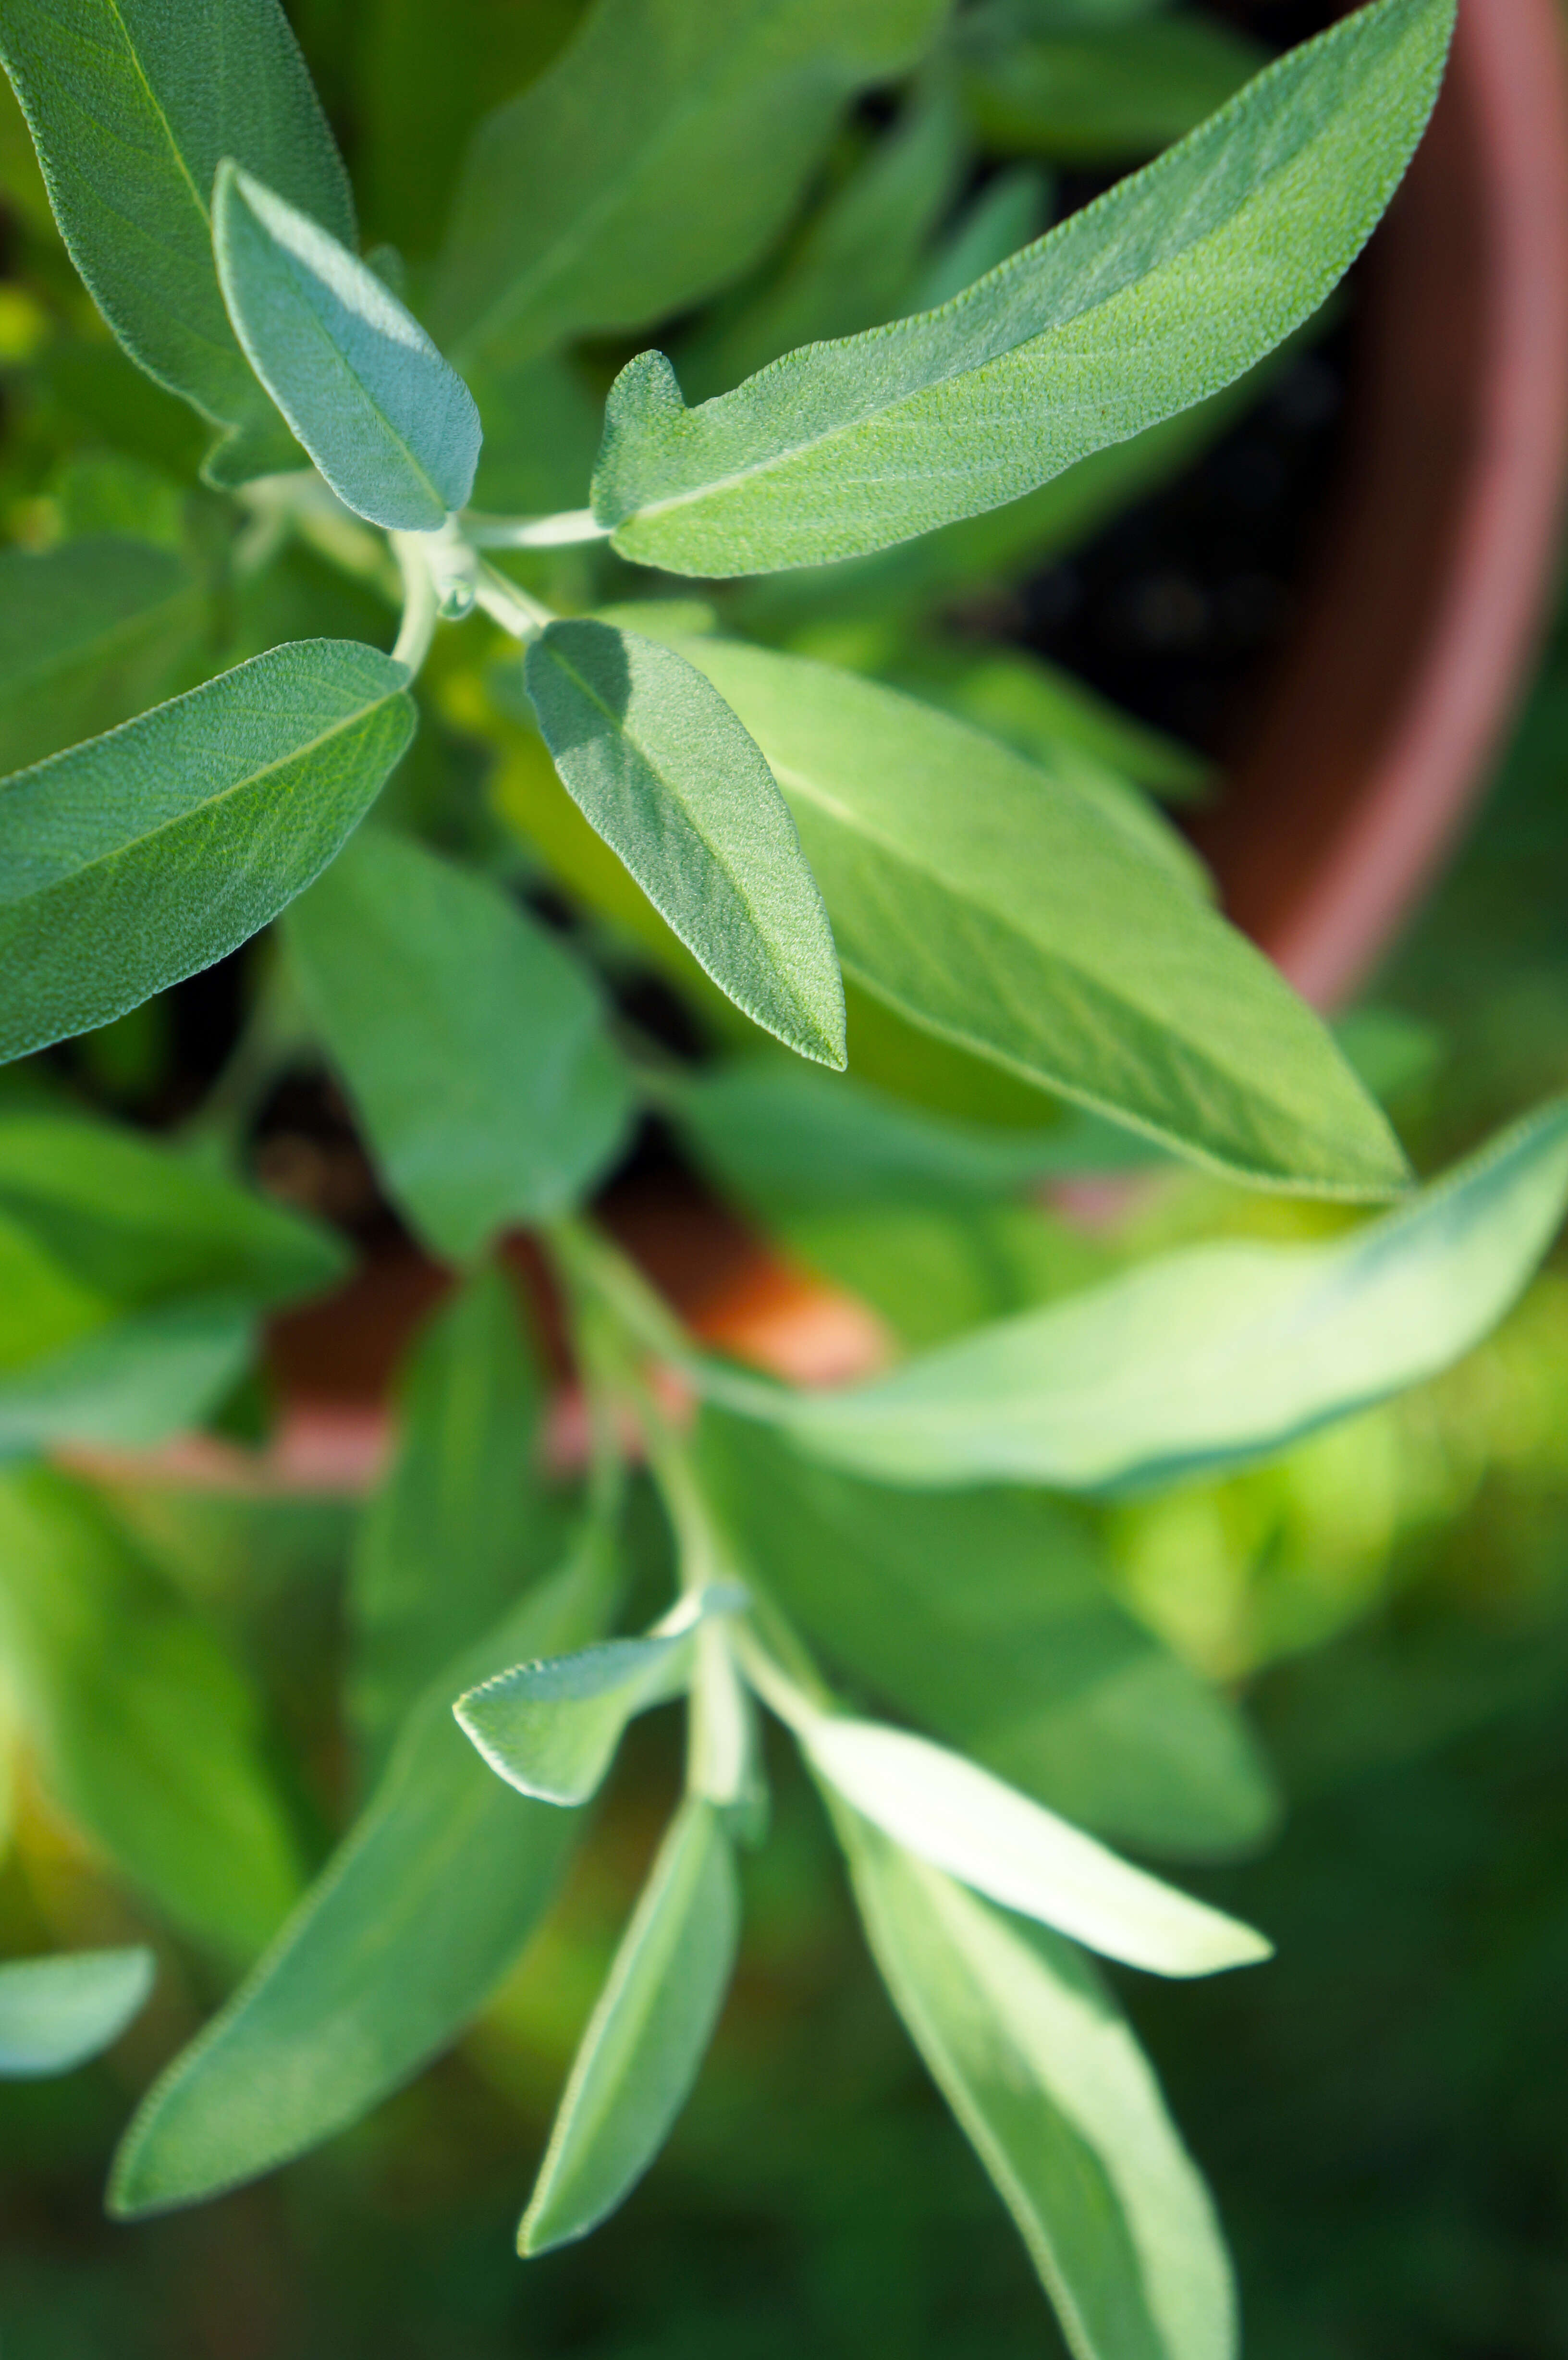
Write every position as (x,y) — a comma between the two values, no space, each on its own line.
(57,2013)
(391,427)
(663,770)
(552,1729)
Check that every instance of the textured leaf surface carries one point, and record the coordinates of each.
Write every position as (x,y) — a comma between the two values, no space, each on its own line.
(395,1945)
(1142,304)
(390,426)
(89,634)
(552,1729)
(991,902)
(988,1617)
(660,766)
(1043,2072)
(462,1517)
(130,862)
(588,201)
(648,2037)
(959,1818)
(1205,1358)
(147,1733)
(474,1048)
(132,103)
(56,2013)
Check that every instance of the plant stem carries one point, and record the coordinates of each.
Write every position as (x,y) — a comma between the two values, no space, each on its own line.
(567,530)
(418,627)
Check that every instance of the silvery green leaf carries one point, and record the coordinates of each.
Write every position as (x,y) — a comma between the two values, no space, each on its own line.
(1134,309)
(1100,94)
(56,2013)
(1207,1358)
(991,902)
(1045,2078)
(579,207)
(146,1730)
(130,862)
(959,1818)
(390,426)
(475,1048)
(132,105)
(666,774)
(648,2036)
(90,633)
(397,1944)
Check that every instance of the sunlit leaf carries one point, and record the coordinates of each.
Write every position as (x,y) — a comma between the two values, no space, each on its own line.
(57,2012)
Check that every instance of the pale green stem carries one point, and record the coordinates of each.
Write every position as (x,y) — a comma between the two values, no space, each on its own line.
(516,613)
(417,627)
(567,531)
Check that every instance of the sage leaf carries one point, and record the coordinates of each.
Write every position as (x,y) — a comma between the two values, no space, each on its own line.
(132,105)
(134,1382)
(575,210)
(1043,2073)
(1099,95)
(661,767)
(959,1818)
(989,901)
(396,1945)
(1205,1358)
(475,1049)
(1079,342)
(390,425)
(462,1518)
(1038,1670)
(56,2013)
(90,634)
(130,862)
(648,2036)
(147,1733)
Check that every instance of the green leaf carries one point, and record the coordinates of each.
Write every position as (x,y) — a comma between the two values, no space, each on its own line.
(133,861)
(852,264)
(575,211)
(1208,1358)
(550,1729)
(988,1616)
(57,2013)
(131,1383)
(390,426)
(474,1048)
(1102,94)
(661,767)
(462,1518)
(959,1817)
(396,1945)
(147,1733)
(1140,305)
(132,105)
(991,902)
(89,635)
(1036,2060)
(648,2034)
(1010,210)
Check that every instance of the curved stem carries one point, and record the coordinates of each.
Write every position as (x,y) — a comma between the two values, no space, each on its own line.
(567,530)
(418,627)
(523,617)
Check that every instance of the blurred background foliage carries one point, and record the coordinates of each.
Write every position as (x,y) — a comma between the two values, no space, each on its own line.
(1381,2112)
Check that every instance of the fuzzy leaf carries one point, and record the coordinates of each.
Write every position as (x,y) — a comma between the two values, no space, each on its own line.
(57,2011)
(130,862)
(658,762)
(1140,305)
(390,426)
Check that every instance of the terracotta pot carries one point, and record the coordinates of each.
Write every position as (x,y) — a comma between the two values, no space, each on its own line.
(1370,745)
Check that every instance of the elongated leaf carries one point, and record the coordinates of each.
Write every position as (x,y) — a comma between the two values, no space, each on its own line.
(1102,94)
(393,430)
(989,901)
(961,1819)
(585,204)
(1136,308)
(648,2034)
(1211,1357)
(146,1731)
(408,1928)
(56,2013)
(132,105)
(462,1518)
(1043,2073)
(131,1382)
(660,766)
(988,1617)
(129,863)
(474,1048)
(89,634)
